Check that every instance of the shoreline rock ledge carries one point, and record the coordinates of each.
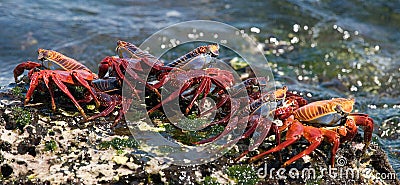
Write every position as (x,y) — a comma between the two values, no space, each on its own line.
(41,147)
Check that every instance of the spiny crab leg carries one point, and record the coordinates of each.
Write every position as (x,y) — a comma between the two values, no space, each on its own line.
(258,122)
(235,91)
(204,87)
(107,91)
(264,125)
(64,88)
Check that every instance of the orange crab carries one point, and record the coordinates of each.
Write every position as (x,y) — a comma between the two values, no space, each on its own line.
(331,120)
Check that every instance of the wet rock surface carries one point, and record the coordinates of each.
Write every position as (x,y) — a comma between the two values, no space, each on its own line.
(55,148)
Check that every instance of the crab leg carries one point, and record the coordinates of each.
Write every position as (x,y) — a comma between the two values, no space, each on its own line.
(225,98)
(206,91)
(103,86)
(367,122)
(34,83)
(134,76)
(221,121)
(203,87)
(56,78)
(312,135)
(258,122)
(85,84)
(264,126)
(171,97)
(117,64)
(110,103)
(332,137)
(46,81)
(105,112)
(241,88)
(315,136)
(124,108)
(293,134)
(120,74)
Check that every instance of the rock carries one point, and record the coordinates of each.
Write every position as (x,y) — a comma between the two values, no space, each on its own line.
(120,159)
(6,170)
(79,159)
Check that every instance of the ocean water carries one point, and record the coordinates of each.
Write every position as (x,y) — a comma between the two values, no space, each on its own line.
(320,48)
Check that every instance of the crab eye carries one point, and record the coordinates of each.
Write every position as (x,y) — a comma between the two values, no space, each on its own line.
(213,49)
(255,88)
(339,110)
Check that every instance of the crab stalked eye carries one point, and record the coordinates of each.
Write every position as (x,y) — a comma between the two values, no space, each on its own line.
(214,50)
(42,53)
(40,50)
(121,43)
(345,104)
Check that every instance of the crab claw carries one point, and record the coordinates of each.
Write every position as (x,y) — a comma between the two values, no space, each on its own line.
(20,68)
(368,124)
(104,66)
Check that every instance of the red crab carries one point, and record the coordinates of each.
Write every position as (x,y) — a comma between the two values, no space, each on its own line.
(135,65)
(335,124)
(73,73)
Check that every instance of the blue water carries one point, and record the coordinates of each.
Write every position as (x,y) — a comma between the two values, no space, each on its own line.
(325,48)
